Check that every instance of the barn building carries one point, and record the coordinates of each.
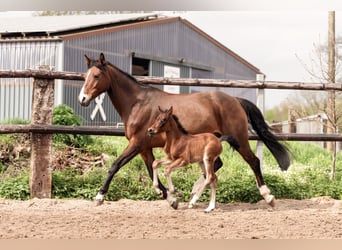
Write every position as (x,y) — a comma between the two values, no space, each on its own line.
(141,44)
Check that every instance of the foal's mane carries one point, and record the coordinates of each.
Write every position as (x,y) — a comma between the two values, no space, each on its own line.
(179,125)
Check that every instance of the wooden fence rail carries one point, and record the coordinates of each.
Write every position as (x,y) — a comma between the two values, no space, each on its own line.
(114,131)
(45,74)
(42,106)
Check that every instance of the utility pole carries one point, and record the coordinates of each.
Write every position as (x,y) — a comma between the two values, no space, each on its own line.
(331,113)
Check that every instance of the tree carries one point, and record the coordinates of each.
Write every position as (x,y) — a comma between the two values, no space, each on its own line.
(326,70)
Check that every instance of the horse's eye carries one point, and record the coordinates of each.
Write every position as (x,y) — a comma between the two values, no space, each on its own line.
(96,76)
(163,120)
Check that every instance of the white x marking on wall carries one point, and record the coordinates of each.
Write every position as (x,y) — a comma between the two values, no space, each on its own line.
(98,107)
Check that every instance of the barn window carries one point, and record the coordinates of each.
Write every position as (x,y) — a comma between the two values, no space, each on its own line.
(140,66)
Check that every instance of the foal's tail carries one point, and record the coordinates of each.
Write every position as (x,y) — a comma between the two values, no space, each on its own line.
(231,140)
(256,119)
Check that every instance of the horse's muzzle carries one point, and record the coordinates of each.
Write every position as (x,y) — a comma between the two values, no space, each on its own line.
(151,132)
(83,101)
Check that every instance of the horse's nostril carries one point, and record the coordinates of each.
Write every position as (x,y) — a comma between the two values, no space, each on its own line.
(150,131)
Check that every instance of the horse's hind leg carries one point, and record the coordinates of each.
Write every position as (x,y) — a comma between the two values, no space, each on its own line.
(254,163)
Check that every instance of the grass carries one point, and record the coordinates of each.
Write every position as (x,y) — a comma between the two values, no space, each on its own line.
(307,177)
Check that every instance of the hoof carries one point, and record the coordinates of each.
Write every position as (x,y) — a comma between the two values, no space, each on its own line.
(160,193)
(99,199)
(174,204)
(271,201)
(208,210)
(99,202)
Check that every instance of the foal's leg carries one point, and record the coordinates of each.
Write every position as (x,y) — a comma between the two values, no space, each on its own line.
(149,159)
(156,164)
(167,172)
(213,184)
(200,182)
(211,179)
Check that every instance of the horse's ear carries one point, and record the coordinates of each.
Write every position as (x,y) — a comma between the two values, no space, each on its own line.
(169,111)
(102,58)
(87,59)
(160,109)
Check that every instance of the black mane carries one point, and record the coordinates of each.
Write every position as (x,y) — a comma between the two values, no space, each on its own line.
(103,67)
(179,125)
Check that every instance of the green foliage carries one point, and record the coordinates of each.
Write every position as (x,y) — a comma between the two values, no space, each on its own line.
(6,139)
(69,183)
(64,115)
(15,188)
(307,177)
(304,103)
(15,121)
(277,114)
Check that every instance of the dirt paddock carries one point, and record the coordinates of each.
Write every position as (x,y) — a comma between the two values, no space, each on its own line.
(318,218)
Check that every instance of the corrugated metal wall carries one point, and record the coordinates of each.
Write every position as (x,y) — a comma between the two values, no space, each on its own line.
(172,40)
(16,93)
(162,42)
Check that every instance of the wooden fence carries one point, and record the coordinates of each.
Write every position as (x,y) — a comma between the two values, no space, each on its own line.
(41,127)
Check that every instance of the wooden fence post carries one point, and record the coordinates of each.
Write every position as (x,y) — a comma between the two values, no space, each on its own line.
(42,110)
(261,105)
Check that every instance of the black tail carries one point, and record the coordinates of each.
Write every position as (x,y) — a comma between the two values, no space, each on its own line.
(231,140)
(256,119)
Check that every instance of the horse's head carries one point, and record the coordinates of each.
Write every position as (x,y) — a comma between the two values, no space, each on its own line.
(97,80)
(158,125)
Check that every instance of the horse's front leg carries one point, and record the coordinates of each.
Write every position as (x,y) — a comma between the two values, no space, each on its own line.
(129,153)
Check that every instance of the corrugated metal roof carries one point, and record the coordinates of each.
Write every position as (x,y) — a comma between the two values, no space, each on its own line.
(54,24)
(67,27)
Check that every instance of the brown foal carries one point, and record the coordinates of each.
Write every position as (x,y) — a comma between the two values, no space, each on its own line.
(182,149)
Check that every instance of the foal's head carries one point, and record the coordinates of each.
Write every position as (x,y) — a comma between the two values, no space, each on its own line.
(97,80)
(165,121)
(162,119)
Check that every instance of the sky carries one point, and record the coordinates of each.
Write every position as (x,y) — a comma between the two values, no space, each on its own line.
(275,41)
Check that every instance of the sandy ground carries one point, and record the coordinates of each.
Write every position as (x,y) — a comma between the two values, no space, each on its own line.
(318,218)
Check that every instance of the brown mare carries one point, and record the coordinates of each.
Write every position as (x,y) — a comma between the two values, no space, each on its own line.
(181,149)
(213,111)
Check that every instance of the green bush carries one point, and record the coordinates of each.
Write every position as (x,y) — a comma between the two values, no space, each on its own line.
(307,177)
(68,183)
(15,188)
(64,115)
